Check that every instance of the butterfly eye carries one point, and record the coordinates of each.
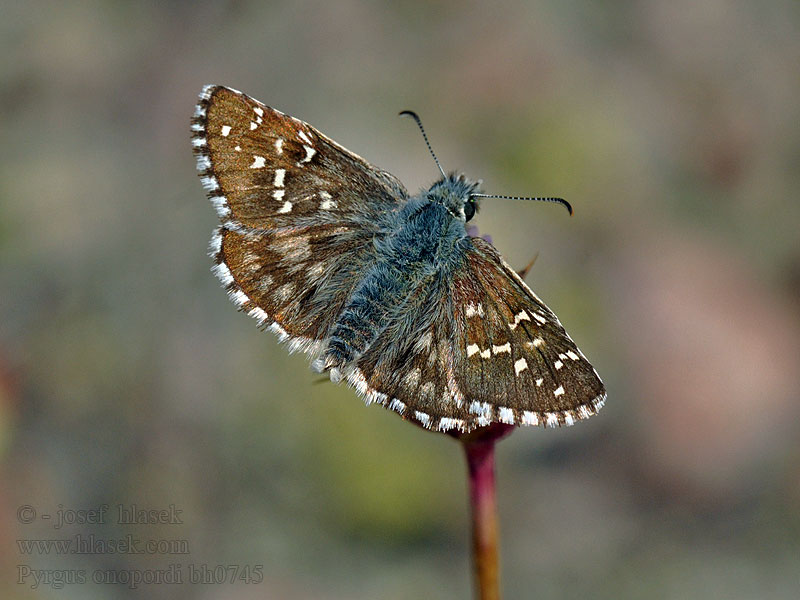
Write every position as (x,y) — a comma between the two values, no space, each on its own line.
(469,209)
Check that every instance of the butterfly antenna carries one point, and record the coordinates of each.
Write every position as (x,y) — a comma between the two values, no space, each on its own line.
(415,116)
(556,200)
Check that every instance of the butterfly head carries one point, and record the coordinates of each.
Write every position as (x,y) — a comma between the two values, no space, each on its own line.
(457,194)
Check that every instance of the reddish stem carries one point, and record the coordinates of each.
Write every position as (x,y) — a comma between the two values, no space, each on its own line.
(479,451)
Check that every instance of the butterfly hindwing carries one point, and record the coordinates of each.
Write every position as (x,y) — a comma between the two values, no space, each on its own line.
(294,281)
(410,367)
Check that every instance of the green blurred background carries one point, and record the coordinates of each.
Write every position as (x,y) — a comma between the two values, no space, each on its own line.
(126,376)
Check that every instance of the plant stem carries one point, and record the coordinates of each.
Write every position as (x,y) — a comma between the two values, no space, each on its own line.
(480,462)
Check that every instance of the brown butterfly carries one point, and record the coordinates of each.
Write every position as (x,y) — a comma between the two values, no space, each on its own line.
(382,289)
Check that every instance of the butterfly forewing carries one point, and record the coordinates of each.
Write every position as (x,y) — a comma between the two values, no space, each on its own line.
(481,348)
(266,170)
(515,356)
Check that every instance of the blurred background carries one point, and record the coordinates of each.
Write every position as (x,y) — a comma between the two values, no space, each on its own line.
(127,377)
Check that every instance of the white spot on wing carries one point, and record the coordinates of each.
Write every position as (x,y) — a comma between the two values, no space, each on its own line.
(424,342)
(226,129)
(310,152)
(530,418)
(520,366)
(265,283)
(259,314)
(223,273)
(599,402)
(280,174)
(279,331)
(278,194)
(295,249)
(426,390)
(423,418)
(412,378)
(287,207)
(473,310)
(506,415)
(446,423)
(572,355)
(239,297)
(258,162)
(504,348)
(251,261)
(518,318)
(285,292)
(558,364)
(376,396)
(234,226)
(258,110)
(357,379)
(316,270)
(216,243)
(472,349)
(220,205)
(302,135)
(559,391)
(483,409)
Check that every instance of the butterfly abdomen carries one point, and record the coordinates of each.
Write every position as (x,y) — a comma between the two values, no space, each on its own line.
(417,249)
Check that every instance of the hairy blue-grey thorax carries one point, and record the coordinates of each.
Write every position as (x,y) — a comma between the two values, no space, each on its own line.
(420,244)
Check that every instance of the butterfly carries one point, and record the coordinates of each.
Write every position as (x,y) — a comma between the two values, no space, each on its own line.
(383,290)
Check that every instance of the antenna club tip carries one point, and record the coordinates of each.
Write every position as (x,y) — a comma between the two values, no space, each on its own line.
(566,204)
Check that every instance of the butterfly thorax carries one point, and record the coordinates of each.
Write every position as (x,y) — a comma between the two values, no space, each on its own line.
(422,245)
